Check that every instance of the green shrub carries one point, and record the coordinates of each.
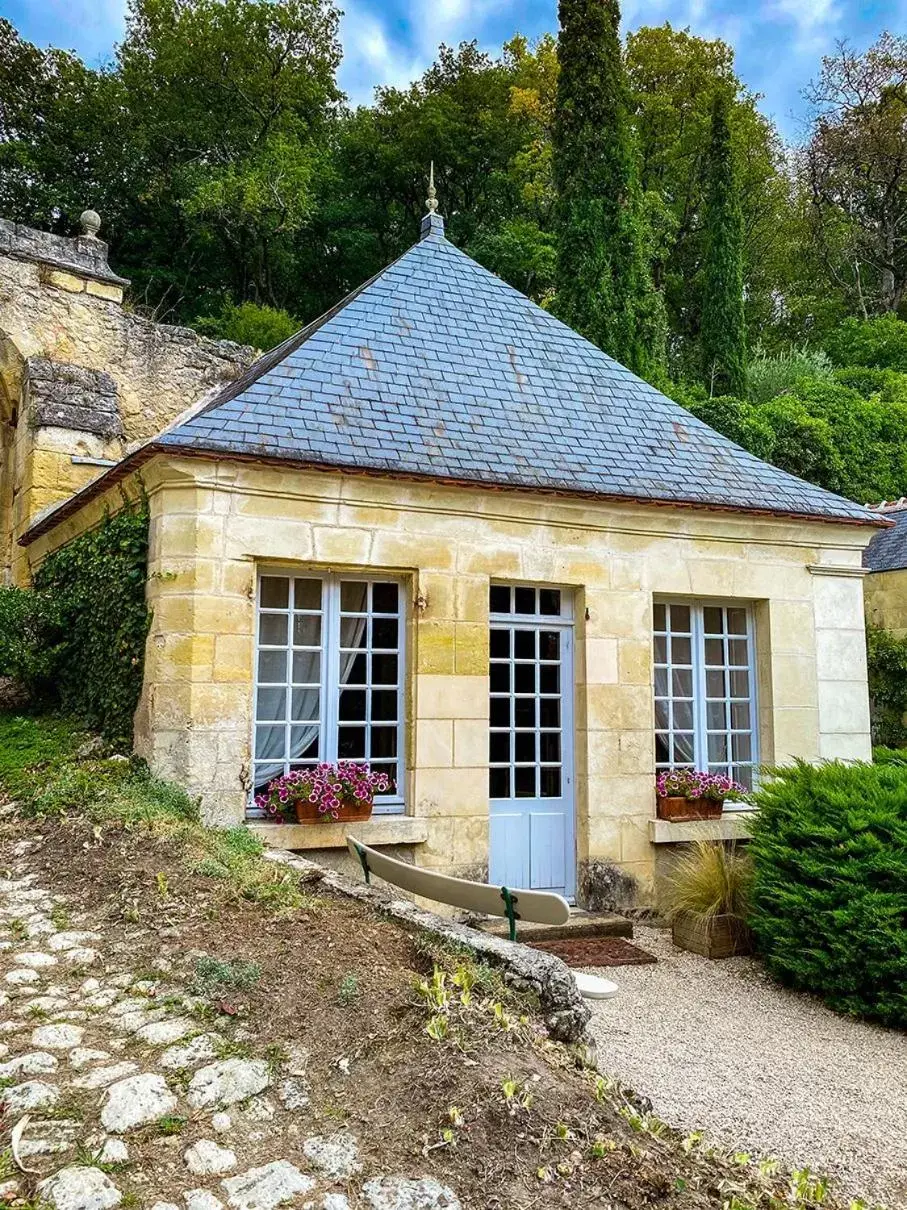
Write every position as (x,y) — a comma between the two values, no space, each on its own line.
(770,376)
(249,323)
(78,636)
(880,342)
(829,896)
(887,666)
(890,756)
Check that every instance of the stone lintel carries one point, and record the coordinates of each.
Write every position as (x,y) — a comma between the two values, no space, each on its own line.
(377,831)
(83,256)
(61,395)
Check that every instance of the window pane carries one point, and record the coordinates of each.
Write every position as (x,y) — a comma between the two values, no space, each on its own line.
(738,652)
(716,716)
(353,596)
(524,781)
(550,746)
(741,747)
(271,704)
(549,645)
(524,600)
(352,705)
(499,783)
(661,682)
(304,742)
(270,741)
(524,746)
(659,617)
(305,704)
(524,644)
(351,743)
(384,705)
(306,668)
(681,650)
(683,748)
(717,748)
(740,716)
(744,775)
(500,678)
(680,619)
(714,651)
(499,599)
(715,683)
(384,670)
(385,598)
(682,682)
(550,601)
(500,712)
(500,644)
(524,712)
(661,650)
(550,783)
(353,669)
(683,715)
(499,747)
(524,677)
(549,712)
(383,742)
(307,594)
(713,620)
(306,630)
(272,666)
(384,632)
(354,632)
(740,683)
(736,621)
(549,678)
(662,749)
(275,592)
(662,715)
(272,629)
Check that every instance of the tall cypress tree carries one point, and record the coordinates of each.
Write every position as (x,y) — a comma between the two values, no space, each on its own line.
(723,336)
(604,284)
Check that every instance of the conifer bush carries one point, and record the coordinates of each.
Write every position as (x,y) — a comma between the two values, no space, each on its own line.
(829,895)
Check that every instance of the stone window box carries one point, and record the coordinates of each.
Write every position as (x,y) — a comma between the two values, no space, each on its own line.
(377,831)
(733,825)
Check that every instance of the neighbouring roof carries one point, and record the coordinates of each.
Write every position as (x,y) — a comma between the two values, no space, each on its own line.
(888,550)
(436,368)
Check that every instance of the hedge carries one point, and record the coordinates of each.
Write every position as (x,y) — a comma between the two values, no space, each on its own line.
(829,900)
(77,638)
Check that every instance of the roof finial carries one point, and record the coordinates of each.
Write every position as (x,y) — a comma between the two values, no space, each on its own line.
(432,223)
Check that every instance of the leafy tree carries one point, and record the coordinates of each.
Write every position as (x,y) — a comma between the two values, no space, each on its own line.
(880,342)
(855,169)
(887,667)
(604,287)
(768,376)
(723,338)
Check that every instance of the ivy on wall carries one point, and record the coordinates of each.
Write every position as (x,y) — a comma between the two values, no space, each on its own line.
(78,636)
(887,660)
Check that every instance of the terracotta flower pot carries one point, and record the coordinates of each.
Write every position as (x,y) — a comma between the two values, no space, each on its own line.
(711,936)
(352,811)
(680,809)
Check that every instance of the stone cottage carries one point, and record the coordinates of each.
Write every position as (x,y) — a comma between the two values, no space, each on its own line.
(885,560)
(440,531)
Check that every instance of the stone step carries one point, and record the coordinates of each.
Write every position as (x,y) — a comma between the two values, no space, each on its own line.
(580,924)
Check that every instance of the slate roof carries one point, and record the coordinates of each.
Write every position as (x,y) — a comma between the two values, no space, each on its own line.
(888,550)
(436,368)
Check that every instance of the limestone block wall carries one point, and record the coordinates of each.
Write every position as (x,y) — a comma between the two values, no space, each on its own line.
(214,524)
(101,377)
(886,600)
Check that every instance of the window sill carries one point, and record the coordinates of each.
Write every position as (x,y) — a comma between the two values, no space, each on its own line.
(377,831)
(734,825)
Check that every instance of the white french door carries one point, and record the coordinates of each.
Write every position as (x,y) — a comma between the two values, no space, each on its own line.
(532,824)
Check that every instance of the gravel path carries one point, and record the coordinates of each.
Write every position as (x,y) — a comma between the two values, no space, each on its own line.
(718,1046)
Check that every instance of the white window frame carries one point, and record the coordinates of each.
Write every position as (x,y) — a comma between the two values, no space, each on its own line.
(697,607)
(329,712)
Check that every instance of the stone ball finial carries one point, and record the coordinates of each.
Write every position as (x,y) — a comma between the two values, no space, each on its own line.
(91,223)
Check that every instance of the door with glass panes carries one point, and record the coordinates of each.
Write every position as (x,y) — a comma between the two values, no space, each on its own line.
(531,739)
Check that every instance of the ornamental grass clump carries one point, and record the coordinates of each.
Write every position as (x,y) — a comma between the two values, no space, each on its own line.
(829,901)
(708,879)
(329,787)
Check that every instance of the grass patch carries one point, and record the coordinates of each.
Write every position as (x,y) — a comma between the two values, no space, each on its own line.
(214,977)
(41,768)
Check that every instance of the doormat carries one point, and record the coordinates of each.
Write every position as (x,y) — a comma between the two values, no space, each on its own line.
(595,951)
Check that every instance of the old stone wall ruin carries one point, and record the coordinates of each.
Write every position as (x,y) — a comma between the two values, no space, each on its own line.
(83,378)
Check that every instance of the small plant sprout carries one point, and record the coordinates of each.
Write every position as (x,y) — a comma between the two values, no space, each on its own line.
(601,1146)
(455,1114)
(464,978)
(562,1131)
(163,887)
(516,1095)
(348,991)
(437,1027)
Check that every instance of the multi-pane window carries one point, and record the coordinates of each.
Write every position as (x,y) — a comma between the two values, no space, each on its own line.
(529,677)
(329,678)
(705,715)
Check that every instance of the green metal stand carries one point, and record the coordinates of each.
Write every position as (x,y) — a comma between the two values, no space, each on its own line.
(510,902)
(363,861)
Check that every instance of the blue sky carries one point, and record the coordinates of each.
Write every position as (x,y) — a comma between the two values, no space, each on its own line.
(778,42)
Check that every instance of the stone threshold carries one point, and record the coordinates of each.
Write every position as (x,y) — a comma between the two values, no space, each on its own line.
(377,831)
(580,924)
(733,825)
